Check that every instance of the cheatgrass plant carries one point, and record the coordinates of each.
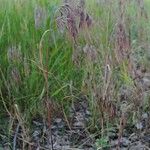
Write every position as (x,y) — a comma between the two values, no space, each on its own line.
(52,51)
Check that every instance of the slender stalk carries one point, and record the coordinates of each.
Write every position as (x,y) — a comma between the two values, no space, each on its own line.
(45,74)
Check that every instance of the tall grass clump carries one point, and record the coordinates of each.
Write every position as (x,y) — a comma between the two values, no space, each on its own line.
(105,52)
(36,69)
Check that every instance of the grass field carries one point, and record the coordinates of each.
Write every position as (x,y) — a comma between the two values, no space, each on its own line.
(52,54)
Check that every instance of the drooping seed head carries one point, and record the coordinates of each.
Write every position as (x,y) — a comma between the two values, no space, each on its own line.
(72,16)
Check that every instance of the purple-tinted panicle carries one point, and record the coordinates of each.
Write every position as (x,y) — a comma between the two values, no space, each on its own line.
(71,26)
(73,16)
(82,19)
(122,40)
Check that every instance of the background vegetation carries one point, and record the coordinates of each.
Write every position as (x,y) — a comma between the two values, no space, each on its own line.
(48,61)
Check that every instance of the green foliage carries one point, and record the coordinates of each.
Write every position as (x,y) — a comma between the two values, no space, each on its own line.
(23,63)
(102,143)
(17,30)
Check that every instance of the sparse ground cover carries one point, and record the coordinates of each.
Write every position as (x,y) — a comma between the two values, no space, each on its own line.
(74,74)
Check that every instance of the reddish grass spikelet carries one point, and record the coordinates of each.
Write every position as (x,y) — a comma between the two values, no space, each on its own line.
(82,19)
(89,20)
(122,40)
(85,20)
(72,16)
(67,19)
(71,26)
